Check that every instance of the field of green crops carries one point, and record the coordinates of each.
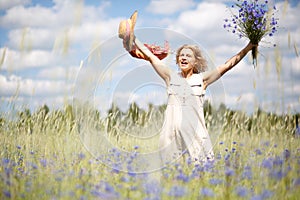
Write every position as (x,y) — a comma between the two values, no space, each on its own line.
(42,157)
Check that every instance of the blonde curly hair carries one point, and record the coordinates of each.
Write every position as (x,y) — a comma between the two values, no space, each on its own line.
(201,63)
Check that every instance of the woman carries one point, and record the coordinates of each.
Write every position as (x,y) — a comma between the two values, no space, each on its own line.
(184,127)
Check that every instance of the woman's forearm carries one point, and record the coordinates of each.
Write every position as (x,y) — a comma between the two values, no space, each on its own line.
(161,69)
(147,53)
(229,64)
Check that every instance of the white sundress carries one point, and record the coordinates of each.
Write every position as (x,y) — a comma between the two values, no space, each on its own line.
(184,127)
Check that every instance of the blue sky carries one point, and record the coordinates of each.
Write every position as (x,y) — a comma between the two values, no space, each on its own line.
(43,42)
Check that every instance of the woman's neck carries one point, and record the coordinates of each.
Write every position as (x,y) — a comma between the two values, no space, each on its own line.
(187,74)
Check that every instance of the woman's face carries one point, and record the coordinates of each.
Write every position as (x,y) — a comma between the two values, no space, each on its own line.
(186,59)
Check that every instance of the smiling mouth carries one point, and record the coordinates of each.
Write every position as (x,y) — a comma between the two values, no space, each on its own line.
(184,62)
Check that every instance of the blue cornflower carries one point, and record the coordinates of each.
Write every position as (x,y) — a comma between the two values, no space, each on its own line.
(278,161)
(108,187)
(233,150)
(207,192)
(125,179)
(177,191)
(181,176)
(258,152)
(247,173)
(227,156)
(296,182)
(7,194)
(81,156)
(286,154)
(43,162)
(5,161)
(267,194)
(215,181)
(241,191)
(116,168)
(267,143)
(254,22)
(208,165)
(267,163)
(277,174)
(152,188)
(229,172)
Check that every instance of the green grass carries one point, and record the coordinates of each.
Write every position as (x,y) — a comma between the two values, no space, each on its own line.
(42,157)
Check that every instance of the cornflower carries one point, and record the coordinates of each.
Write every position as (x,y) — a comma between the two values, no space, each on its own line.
(254,21)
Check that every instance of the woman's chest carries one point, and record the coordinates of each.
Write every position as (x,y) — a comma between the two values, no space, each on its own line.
(184,87)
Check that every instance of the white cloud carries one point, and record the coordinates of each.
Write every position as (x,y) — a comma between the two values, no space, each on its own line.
(296,65)
(37,16)
(58,73)
(92,31)
(6,4)
(205,25)
(31,38)
(287,15)
(13,85)
(66,13)
(167,7)
(16,60)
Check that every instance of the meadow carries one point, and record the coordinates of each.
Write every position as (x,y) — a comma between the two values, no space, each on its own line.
(257,157)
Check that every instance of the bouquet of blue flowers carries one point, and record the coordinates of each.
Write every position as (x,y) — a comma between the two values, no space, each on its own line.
(254,21)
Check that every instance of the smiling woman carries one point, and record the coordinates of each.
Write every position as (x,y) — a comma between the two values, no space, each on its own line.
(184,129)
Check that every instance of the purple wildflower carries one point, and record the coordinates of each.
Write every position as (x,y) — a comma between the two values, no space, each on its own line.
(253,21)
(177,191)
(229,172)
(81,156)
(215,181)
(152,188)
(241,191)
(267,163)
(182,177)
(7,194)
(296,182)
(43,162)
(277,174)
(258,152)
(286,154)
(247,173)
(267,194)
(207,192)
(125,179)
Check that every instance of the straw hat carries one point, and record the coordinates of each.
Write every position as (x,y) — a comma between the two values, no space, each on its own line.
(126,31)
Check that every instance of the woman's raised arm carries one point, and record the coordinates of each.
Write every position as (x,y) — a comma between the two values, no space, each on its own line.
(211,76)
(161,69)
